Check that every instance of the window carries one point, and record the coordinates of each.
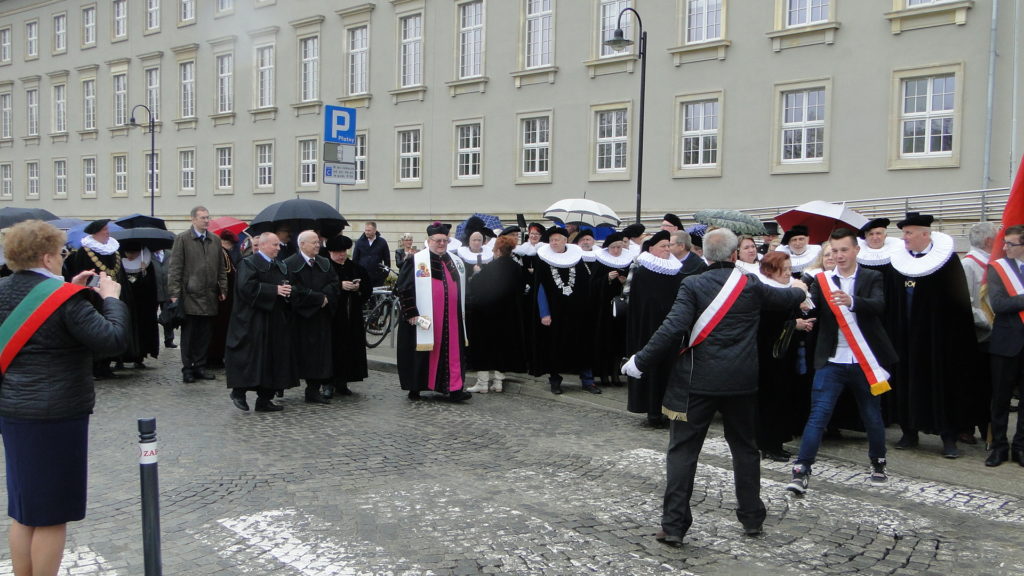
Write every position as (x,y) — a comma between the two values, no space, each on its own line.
(409,155)
(225,83)
(410,60)
(60,178)
(187,11)
(89,26)
(153,91)
(309,50)
(187,170)
(6,180)
(120,82)
(187,71)
(89,176)
(361,159)
(703,20)
(60,33)
(536,146)
(803,125)
(358,60)
(307,162)
(32,106)
(612,143)
(152,15)
(538,33)
(471,39)
(5,45)
(120,174)
(926,116)
(6,116)
(120,19)
(225,6)
(60,108)
(265,165)
(152,172)
(806,12)
(265,76)
(32,170)
(224,167)
(699,144)
(608,21)
(31,39)
(468,151)
(89,104)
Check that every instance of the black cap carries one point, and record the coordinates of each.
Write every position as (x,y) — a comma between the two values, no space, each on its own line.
(612,238)
(513,229)
(582,234)
(797,230)
(438,228)
(535,226)
(673,220)
(634,230)
(697,239)
(555,230)
(871,225)
(916,219)
(655,238)
(339,243)
(771,227)
(96,225)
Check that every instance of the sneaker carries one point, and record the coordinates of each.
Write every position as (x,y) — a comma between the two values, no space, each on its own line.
(878,474)
(798,485)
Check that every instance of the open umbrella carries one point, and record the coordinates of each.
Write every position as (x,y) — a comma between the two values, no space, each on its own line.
(140,221)
(76,234)
(298,214)
(67,223)
(738,222)
(9,215)
(821,218)
(490,222)
(152,238)
(222,223)
(582,210)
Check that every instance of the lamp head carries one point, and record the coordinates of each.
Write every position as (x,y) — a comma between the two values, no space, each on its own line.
(132,122)
(618,41)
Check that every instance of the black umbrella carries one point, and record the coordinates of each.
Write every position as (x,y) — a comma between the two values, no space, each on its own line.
(9,215)
(140,221)
(152,238)
(299,214)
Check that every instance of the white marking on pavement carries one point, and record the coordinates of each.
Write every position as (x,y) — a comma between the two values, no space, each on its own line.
(78,562)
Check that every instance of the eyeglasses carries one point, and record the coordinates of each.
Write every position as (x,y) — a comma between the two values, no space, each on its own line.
(64,252)
(1012,244)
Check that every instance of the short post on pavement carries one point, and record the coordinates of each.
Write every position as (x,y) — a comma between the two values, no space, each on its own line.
(150,496)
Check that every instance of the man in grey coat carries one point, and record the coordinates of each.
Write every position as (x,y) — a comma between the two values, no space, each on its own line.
(716,372)
(198,280)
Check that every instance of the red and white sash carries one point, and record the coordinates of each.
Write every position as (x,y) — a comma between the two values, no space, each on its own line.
(719,307)
(983,265)
(1010,280)
(876,376)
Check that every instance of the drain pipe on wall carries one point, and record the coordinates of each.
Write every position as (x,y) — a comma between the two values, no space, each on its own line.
(987,161)
(1015,93)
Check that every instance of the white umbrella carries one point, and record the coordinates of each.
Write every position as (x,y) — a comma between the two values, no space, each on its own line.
(821,218)
(582,210)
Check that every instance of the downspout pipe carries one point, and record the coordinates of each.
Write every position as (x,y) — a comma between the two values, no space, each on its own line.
(989,105)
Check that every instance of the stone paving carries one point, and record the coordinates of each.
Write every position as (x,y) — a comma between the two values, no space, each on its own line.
(513,483)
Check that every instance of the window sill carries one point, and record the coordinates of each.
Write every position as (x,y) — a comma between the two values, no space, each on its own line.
(698,172)
(409,185)
(59,52)
(539,179)
(58,137)
(924,162)
(269,190)
(823,33)
(30,140)
(543,75)
(258,114)
(190,192)
(84,135)
(609,176)
(467,182)
(187,23)
(710,50)
(87,46)
(356,100)
(224,118)
(468,85)
(223,191)
(88,195)
(409,94)
(808,167)
(6,142)
(927,16)
(611,65)
(186,124)
(311,107)
(119,130)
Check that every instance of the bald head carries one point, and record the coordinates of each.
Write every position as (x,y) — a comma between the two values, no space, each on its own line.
(269,244)
(309,243)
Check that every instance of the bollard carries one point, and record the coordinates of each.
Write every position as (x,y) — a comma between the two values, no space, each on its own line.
(150,496)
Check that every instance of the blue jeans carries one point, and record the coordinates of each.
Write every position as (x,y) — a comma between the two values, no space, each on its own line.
(828,384)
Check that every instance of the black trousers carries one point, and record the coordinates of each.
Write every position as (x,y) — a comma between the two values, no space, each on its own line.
(739,414)
(1006,373)
(196,332)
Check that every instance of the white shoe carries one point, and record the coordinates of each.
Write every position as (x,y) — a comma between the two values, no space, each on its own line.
(496,386)
(481,383)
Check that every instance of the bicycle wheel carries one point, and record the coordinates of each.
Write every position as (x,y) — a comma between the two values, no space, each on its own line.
(378,323)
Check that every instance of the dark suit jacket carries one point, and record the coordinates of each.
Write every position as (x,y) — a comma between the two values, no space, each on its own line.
(1007,330)
(868,305)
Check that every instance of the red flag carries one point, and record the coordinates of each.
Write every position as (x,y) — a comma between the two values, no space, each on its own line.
(1013,214)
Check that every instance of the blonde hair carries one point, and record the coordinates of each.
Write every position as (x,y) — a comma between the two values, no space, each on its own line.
(26,242)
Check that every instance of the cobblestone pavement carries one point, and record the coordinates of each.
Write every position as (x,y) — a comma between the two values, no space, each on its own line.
(513,483)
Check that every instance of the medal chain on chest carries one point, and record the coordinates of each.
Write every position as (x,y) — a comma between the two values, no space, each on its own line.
(565,287)
(103,267)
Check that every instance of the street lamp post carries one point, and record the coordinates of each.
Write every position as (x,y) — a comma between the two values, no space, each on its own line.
(619,42)
(152,153)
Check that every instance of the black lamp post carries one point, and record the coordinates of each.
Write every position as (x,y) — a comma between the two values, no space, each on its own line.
(619,42)
(152,153)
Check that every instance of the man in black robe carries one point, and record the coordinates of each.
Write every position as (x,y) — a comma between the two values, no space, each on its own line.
(259,355)
(314,300)
(347,334)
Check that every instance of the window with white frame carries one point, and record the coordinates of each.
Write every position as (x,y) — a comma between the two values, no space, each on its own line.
(6,116)
(60,178)
(152,15)
(224,167)
(361,159)
(927,114)
(358,59)
(32,107)
(120,163)
(309,77)
(410,54)
(409,155)
(60,108)
(89,176)
(120,13)
(32,171)
(265,165)
(187,98)
(60,33)
(611,151)
(225,83)
(703,20)
(806,12)
(471,39)
(699,145)
(5,45)
(31,39)
(803,125)
(152,172)
(153,91)
(468,152)
(264,76)
(225,5)
(89,104)
(120,84)
(6,180)
(186,11)
(307,162)
(536,146)
(89,26)
(187,170)
(539,43)
(608,21)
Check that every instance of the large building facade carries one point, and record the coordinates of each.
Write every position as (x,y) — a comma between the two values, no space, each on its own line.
(503,106)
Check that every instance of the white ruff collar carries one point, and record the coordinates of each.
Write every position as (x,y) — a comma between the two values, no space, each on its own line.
(942,250)
(141,262)
(748,268)
(774,284)
(527,249)
(802,261)
(104,249)
(453,244)
(666,266)
(589,256)
(471,257)
(869,256)
(634,248)
(621,261)
(567,259)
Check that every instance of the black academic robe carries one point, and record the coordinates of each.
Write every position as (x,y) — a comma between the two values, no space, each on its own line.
(494,317)
(651,295)
(84,259)
(609,335)
(144,333)
(259,335)
(347,331)
(781,399)
(215,353)
(312,321)
(563,347)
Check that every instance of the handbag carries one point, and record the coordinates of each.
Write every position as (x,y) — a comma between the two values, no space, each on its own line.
(172,316)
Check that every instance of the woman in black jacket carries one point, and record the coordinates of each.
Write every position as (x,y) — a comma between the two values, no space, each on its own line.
(47,395)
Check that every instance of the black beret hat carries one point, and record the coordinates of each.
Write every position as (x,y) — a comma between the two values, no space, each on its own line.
(871,225)
(634,230)
(339,243)
(659,236)
(697,239)
(583,234)
(513,229)
(612,238)
(797,230)
(673,220)
(96,225)
(916,219)
(555,230)
(438,228)
(535,226)
(772,227)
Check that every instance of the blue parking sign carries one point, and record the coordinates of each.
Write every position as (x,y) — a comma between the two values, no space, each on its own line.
(339,124)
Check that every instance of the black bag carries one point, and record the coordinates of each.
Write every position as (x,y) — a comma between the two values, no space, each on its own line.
(172,316)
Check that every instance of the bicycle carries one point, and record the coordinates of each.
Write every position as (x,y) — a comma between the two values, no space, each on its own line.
(380,314)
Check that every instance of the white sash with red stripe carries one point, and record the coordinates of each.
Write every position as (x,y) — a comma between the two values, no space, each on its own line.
(1011,281)
(876,376)
(713,314)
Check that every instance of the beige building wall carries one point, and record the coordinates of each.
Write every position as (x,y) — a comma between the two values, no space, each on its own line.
(859,53)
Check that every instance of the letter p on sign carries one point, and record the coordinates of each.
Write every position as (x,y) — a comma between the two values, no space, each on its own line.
(339,124)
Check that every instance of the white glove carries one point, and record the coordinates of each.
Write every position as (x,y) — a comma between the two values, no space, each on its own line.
(630,369)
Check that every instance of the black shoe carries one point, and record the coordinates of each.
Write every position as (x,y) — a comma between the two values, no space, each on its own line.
(327,391)
(949,449)
(997,457)
(188,378)
(591,388)
(908,440)
(1017,455)
(414,395)
(556,387)
(459,396)
(204,375)
(240,403)
(316,398)
(777,455)
(753,530)
(342,390)
(279,393)
(659,421)
(267,406)
(119,365)
(170,344)
(669,539)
